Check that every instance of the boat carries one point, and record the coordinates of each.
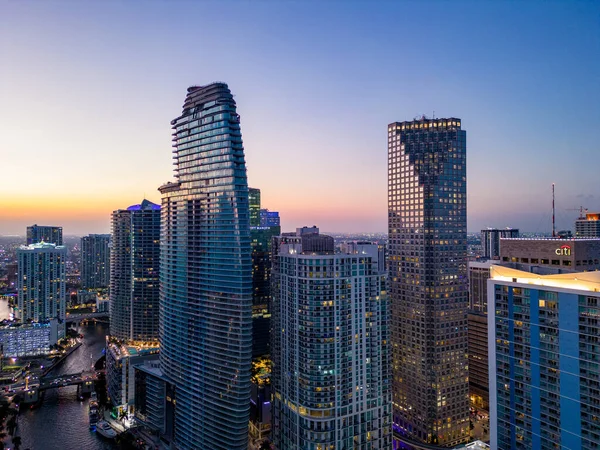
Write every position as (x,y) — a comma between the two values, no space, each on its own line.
(93,416)
(105,430)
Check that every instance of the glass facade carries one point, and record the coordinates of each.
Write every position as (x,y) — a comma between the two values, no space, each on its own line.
(331,366)
(95,261)
(545,386)
(44,233)
(427,216)
(41,282)
(206,275)
(135,268)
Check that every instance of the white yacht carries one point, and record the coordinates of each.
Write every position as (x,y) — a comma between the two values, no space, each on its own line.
(104,429)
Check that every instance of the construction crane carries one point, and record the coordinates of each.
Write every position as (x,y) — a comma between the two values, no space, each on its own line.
(581,210)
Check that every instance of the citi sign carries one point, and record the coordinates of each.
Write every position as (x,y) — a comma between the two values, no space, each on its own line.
(564,250)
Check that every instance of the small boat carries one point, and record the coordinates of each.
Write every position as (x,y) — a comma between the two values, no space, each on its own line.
(105,430)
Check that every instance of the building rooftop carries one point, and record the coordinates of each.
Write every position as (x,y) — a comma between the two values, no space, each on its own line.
(477,445)
(145,205)
(40,245)
(582,281)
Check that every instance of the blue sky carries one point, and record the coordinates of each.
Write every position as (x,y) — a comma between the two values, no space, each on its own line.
(88,90)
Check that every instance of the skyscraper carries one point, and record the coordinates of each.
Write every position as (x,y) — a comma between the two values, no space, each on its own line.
(427,213)
(543,354)
(330,351)
(134,273)
(41,282)
(134,298)
(42,233)
(95,261)
(206,275)
(490,240)
(254,205)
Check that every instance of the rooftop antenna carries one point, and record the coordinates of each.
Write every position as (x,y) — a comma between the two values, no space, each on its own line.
(433,115)
(553,220)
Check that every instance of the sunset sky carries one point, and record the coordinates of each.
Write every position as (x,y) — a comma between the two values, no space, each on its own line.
(88,90)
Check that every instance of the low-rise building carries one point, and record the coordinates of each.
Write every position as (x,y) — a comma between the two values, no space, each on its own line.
(28,339)
(573,254)
(120,376)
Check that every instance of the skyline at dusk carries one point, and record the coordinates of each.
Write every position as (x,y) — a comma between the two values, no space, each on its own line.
(89,91)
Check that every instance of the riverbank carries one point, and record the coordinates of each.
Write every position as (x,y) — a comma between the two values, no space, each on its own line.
(58,361)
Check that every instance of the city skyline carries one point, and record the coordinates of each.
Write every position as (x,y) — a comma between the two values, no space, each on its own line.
(523,82)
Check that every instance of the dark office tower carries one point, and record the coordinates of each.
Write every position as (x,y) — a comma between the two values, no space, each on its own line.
(41,233)
(95,261)
(490,240)
(134,273)
(206,275)
(260,238)
(254,205)
(427,216)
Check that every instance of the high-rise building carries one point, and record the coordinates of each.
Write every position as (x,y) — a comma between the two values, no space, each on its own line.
(254,206)
(269,218)
(260,238)
(42,233)
(95,261)
(427,213)
(134,273)
(206,275)
(330,346)
(543,353)
(588,226)
(41,282)
(490,240)
(133,298)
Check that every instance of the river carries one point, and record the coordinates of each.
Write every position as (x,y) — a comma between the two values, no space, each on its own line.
(61,422)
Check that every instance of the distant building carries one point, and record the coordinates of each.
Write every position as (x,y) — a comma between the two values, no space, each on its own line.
(102,304)
(134,273)
(330,345)
(41,282)
(588,227)
(95,261)
(28,339)
(570,254)
(43,233)
(543,353)
(11,276)
(254,206)
(269,218)
(490,240)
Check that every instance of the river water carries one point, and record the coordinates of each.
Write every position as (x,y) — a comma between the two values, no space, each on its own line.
(61,422)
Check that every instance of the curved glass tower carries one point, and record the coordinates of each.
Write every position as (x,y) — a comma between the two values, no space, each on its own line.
(206,275)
